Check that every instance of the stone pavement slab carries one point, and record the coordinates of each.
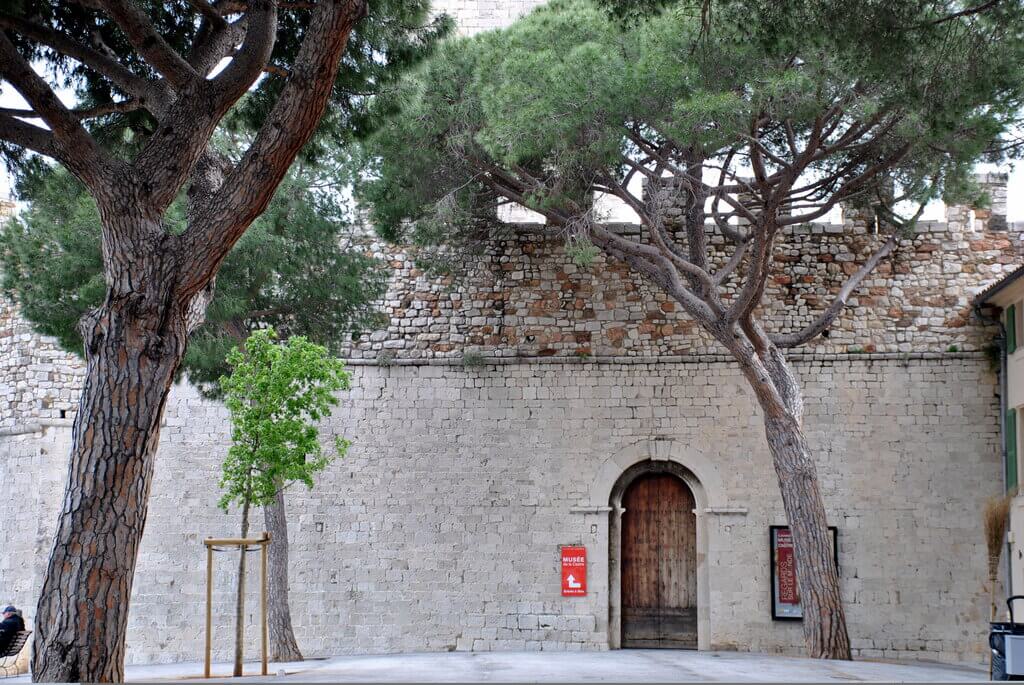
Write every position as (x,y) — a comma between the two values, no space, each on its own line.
(620,666)
(625,665)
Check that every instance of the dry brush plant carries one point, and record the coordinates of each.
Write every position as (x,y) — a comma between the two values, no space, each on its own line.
(996,517)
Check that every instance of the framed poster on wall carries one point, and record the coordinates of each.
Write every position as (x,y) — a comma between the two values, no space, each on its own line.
(785,592)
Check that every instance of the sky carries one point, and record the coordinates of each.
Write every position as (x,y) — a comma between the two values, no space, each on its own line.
(614,212)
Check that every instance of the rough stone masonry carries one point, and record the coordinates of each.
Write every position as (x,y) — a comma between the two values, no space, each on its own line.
(441,530)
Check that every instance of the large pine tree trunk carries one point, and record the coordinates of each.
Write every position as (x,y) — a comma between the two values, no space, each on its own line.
(824,620)
(283,646)
(779,394)
(133,346)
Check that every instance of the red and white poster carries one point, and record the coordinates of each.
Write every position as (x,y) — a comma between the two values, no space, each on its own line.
(574,571)
(785,590)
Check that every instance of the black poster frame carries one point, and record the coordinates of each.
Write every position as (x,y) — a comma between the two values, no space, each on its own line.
(772,545)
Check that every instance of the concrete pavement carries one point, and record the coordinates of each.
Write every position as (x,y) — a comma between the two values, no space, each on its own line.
(547,667)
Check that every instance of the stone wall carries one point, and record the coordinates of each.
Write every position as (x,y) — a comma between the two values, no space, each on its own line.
(38,380)
(441,528)
(524,297)
(480,15)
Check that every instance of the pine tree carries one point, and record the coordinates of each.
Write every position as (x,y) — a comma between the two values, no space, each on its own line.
(301,267)
(753,116)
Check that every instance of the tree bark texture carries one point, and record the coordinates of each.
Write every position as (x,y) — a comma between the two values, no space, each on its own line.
(778,392)
(283,646)
(240,596)
(133,346)
(158,286)
(824,617)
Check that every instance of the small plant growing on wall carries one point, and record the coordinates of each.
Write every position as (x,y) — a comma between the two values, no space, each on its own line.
(581,251)
(276,393)
(994,354)
(473,360)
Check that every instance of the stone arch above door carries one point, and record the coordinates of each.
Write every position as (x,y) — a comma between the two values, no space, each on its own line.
(613,505)
(712,495)
(702,477)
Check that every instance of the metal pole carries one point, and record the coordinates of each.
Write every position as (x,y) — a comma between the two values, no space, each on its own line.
(263,602)
(209,608)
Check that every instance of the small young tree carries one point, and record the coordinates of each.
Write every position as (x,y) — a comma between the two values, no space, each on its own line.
(276,392)
(761,116)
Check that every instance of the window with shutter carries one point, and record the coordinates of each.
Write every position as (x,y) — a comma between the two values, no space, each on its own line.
(1011,329)
(1011,449)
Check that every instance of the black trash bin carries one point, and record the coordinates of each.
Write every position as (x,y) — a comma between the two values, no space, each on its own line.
(997,642)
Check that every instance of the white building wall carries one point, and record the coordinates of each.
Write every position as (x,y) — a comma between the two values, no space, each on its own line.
(1013,295)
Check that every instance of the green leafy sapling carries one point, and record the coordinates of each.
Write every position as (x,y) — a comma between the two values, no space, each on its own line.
(276,392)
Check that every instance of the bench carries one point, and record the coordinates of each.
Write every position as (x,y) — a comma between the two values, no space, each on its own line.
(9,657)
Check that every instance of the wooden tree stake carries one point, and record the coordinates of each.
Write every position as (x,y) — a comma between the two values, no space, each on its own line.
(263,602)
(209,608)
(211,543)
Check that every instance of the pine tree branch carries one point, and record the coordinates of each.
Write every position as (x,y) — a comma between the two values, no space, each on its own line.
(658,268)
(695,271)
(146,91)
(209,12)
(854,186)
(73,144)
(827,317)
(977,9)
(248,62)
(291,123)
(150,45)
(750,294)
(237,6)
(274,70)
(170,155)
(28,136)
(214,42)
(81,113)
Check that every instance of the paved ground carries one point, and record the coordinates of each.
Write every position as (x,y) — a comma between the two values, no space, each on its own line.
(619,666)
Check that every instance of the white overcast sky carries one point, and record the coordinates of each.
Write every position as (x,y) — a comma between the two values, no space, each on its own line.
(1015,195)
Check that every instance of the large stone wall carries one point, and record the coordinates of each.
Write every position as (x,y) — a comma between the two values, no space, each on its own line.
(441,528)
(524,297)
(440,531)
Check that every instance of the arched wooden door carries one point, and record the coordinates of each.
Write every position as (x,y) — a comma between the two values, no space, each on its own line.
(659,564)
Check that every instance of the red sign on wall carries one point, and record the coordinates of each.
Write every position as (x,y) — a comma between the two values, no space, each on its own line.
(574,571)
(785,590)
(785,568)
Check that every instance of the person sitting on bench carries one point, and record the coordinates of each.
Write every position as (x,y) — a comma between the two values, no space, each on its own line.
(10,627)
